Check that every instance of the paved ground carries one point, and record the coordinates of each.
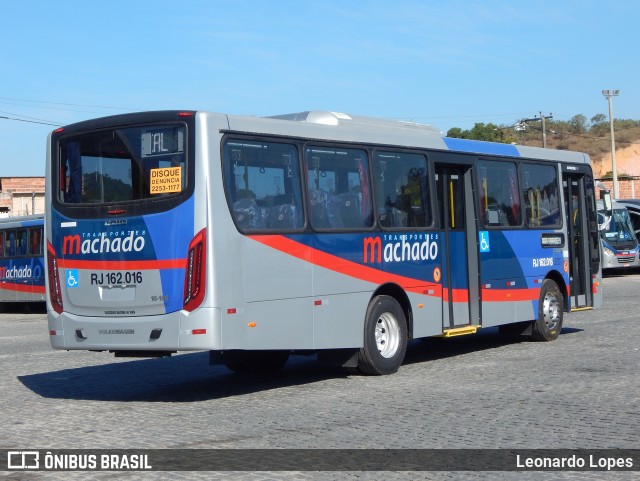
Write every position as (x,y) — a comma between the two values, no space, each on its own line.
(579,392)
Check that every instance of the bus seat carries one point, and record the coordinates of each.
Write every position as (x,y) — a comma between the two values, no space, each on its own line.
(247,214)
(283,216)
(349,209)
(319,210)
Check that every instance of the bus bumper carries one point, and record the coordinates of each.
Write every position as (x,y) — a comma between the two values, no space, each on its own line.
(177,331)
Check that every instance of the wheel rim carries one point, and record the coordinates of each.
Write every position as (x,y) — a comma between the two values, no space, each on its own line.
(387,335)
(551,310)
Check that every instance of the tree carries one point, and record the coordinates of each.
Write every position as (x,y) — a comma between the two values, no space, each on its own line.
(578,124)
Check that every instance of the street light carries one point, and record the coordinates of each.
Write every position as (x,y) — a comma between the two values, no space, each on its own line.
(608,94)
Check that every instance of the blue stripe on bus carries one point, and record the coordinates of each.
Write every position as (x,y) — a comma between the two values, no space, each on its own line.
(479,147)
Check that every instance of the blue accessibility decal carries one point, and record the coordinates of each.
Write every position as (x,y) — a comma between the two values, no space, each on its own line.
(483,240)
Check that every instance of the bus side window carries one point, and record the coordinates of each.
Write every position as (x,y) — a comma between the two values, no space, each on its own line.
(401,182)
(338,188)
(540,192)
(35,242)
(263,185)
(499,193)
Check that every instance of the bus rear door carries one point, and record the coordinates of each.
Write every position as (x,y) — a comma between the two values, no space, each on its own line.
(582,238)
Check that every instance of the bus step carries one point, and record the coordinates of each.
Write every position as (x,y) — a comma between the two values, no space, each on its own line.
(460,331)
(576,309)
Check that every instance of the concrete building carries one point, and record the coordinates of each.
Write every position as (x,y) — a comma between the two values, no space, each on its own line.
(21,196)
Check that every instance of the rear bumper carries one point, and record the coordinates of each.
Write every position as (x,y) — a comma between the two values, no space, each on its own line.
(177,331)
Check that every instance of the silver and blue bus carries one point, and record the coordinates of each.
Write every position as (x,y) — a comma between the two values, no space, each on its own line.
(315,232)
(619,242)
(22,274)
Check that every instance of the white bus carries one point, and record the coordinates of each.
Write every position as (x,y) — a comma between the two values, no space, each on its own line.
(253,238)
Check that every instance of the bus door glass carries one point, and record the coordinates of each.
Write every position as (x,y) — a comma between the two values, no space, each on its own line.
(583,250)
(459,265)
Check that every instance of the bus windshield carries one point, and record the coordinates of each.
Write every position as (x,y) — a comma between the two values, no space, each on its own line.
(123,164)
(618,229)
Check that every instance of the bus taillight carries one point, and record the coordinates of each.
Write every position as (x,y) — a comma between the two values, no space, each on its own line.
(194,278)
(55,294)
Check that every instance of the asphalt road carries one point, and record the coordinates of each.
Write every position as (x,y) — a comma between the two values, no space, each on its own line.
(485,391)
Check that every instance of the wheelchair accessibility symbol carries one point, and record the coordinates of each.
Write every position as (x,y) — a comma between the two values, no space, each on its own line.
(483,239)
(72,278)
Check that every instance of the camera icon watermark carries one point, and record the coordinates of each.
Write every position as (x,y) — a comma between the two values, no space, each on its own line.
(23,460)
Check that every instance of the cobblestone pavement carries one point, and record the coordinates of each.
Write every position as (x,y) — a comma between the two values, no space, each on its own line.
(484,391)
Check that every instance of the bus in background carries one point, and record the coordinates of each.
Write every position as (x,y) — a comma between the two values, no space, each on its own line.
(617,233)
(633,208)
(22,276)
(254,238)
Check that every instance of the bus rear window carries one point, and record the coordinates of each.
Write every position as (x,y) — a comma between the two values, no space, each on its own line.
(121,165)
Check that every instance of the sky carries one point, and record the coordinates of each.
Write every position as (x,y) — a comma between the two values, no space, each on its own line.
(445,63)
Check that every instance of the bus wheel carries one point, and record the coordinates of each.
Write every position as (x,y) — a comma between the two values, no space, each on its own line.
(550,313)
(255,362)
(385,337)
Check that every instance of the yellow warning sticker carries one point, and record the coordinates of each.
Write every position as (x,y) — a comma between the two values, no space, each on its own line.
(166,180)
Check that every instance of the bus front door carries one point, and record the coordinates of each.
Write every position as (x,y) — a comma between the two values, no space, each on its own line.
(579,238)
(459,278)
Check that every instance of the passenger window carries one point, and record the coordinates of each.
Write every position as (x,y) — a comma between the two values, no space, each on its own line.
(35,241)
(401,188)
(339,195)
(499,194)
(263,185)
(540,192)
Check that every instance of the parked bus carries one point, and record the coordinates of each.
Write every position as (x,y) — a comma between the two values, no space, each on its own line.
(253,238)
(619,242)
(22,276)
(633,208)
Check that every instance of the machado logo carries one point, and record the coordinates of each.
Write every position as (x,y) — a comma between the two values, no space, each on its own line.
(399,248)
(99,243)
(16,272)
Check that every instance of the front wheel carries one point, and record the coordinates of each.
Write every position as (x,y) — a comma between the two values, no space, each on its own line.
(548,325)
(385,337)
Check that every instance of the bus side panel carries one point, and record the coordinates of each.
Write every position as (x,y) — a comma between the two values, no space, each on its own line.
(272,303)
(22,279)
(513,267)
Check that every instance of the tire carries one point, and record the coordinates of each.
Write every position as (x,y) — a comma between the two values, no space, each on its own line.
(255,362)
(550,313)
(385,337)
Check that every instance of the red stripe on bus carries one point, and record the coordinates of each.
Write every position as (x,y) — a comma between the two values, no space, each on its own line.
(501,295)
(8,286)
(123,265)
(342,266)
(458,295)
(369,274)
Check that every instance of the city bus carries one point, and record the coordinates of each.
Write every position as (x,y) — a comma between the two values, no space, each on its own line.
(620,248)
(22,276)
(316,232)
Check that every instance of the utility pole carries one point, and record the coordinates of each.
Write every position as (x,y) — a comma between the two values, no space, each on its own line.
(614,171)
(542,119)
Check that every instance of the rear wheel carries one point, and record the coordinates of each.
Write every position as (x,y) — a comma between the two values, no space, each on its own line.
(550,313)
(256,362)
(385,337)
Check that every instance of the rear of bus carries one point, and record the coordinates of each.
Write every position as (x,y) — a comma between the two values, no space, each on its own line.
(125,251)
